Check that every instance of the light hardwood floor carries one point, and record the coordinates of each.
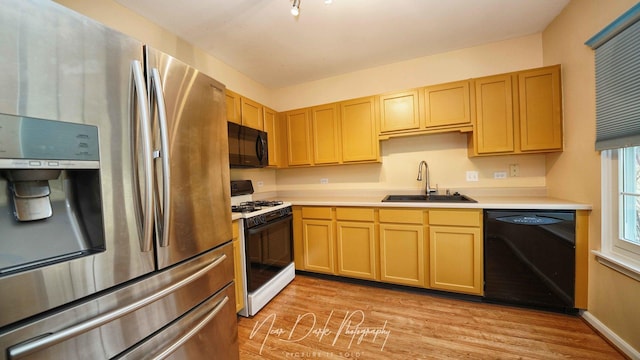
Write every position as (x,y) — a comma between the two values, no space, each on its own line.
(325,319)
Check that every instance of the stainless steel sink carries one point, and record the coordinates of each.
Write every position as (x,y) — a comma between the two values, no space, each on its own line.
(456,198)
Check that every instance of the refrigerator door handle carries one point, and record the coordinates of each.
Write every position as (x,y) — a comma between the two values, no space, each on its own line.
(144,210)
(47,340)
(163,153)
(194,330)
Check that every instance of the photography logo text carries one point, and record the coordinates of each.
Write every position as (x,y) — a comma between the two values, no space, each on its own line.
(339,330)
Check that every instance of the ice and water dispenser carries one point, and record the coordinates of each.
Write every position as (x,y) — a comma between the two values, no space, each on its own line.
(50,198)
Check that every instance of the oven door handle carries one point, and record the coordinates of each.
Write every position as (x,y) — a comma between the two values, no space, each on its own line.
(257,229)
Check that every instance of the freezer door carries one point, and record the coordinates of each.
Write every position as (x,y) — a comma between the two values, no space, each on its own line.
(196,295)
(59,65)
(193,200)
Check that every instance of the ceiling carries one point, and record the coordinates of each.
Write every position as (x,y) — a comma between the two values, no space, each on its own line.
(261,38)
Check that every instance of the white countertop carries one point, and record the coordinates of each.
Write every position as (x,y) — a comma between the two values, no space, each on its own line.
(484,202)
(236,216)
(490,198)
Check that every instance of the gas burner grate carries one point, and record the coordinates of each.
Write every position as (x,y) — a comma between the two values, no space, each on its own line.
(251,206)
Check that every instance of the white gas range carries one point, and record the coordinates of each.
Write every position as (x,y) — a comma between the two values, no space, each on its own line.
(267,246)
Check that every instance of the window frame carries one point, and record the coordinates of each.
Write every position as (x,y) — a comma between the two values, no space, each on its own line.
(614,252)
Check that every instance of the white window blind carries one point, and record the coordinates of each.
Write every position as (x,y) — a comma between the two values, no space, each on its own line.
(617,53)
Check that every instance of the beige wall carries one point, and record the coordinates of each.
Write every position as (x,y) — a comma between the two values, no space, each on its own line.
(575,174)
(445,153)
(504,56)
(126,21)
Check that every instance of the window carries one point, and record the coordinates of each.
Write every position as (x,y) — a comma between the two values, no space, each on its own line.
(617,48)
(621,210)
(629,199)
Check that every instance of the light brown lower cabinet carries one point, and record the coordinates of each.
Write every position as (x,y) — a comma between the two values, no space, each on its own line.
(394,245)
(402,254)
(455,250)
(238,269)
(455,259)
(356,249)
(318,245)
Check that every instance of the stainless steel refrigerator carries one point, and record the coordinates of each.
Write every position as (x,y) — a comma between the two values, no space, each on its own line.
(115,220)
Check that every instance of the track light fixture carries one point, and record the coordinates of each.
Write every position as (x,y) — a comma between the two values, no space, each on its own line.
(295,6)
(295,9)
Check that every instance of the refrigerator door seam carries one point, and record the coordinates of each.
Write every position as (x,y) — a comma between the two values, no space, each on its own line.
(156,83)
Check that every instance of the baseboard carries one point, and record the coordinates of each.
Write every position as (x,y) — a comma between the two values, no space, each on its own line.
(616,340)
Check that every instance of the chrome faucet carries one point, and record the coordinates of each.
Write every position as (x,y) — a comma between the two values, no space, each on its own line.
(427,188)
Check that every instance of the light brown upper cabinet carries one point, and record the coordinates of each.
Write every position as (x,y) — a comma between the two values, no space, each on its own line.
(331,134)
(251,113)
(359,132)
(324,130)
(540,109)
(494,115)
(447,106)
(298,128)
(233,107)
(270,118)
(432,109)
(399,111)
(518,113)
(244,111)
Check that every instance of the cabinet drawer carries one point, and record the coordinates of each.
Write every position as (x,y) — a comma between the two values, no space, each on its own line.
(401,216)
(455,217)
(354,214)
(316,213)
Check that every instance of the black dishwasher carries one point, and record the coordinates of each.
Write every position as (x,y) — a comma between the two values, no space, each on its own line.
(529,258)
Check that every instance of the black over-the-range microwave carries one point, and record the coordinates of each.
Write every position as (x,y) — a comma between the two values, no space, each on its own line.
(247,147)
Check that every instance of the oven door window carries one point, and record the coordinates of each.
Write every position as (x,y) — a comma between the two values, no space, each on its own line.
(268,251)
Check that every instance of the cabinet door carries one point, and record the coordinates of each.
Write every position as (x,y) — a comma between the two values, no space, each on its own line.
(326,140)
(356,249)
(359,135)
(399,111)
(233,107)
(447,105)
(251,113)
(270,119)
(402,259)
(540,109)
(298,137)
(494,114)
(318,245)
(455,259)
(238,269)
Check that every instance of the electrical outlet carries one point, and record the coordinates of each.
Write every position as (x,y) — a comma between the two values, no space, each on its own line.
(260,183)
(514,170)
(500,175)
(324,181)
(472,176)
